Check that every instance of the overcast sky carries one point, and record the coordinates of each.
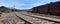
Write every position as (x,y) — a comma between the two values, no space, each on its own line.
(24,4)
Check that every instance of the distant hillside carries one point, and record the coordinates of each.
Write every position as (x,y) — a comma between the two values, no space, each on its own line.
(7,9)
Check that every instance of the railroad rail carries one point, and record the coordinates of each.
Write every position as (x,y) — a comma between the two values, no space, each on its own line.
(44,18)
(26,22)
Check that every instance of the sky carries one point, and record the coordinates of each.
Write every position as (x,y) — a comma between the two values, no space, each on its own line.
(24,4)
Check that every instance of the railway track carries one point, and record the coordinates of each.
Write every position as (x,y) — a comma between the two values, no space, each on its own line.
(26,22)
(14,18)
(42,18)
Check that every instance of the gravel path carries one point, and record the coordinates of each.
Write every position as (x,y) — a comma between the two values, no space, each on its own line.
(10,18)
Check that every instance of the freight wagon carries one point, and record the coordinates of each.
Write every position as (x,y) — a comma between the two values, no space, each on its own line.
(51,8)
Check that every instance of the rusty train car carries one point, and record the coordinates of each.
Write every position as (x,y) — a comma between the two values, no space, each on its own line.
(51,8)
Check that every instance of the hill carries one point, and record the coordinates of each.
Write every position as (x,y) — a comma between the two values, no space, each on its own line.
(4,9)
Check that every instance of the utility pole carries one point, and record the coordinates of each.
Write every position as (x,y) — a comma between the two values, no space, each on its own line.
(14,8)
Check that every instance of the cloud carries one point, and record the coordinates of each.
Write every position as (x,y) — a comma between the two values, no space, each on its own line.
(28,6)
(24,4)
(36,4)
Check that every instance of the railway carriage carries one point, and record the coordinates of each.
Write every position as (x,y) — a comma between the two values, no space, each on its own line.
(51,8)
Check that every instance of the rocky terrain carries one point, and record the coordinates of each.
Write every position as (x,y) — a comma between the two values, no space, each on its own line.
(10,18)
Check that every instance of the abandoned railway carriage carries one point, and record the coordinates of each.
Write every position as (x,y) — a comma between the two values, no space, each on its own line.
(52,8)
